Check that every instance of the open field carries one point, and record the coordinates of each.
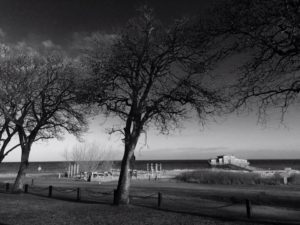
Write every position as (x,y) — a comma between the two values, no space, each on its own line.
(182,203)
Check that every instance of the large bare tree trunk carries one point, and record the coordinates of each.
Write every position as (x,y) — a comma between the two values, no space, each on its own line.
(18,185)
(122,196)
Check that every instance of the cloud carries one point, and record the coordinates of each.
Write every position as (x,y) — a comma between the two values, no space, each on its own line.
(48,44)
(2,34)
(95,41)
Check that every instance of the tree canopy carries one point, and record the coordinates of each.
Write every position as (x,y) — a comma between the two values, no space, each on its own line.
(268,32)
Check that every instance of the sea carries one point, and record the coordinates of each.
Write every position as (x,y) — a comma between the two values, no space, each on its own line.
(61,166)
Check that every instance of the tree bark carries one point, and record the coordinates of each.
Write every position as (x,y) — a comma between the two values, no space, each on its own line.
(1,158)
(122,196)
(18,185)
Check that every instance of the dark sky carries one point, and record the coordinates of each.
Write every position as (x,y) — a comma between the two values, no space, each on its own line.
(57,20)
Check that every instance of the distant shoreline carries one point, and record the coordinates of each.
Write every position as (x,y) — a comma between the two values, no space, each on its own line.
(156,160)
(61,166)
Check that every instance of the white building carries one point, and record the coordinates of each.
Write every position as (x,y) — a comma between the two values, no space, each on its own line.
(228,160)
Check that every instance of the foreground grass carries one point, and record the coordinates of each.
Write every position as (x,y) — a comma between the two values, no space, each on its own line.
(183,203)
(236,178)
(28,209)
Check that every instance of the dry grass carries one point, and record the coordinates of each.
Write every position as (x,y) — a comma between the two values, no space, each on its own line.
(294,179)
(228,177)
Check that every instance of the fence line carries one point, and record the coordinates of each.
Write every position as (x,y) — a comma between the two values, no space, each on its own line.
(64,191)
(162,199)
(143,197)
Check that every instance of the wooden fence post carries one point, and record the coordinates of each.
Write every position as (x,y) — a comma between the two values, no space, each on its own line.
(78,194)
(7,187)
(248,208)
(159,199)
(26,188)
(115,196)
(50,191)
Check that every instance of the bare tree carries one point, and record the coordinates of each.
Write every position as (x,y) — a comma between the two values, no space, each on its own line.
(268,32)
(14,67)
(7,132)
(89,157)
(41,92)
(148,78)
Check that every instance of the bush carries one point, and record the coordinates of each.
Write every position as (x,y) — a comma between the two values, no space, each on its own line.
(228,177)
(294,179)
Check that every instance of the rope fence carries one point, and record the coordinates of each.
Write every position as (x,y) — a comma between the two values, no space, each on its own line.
(159,200)
(143,197)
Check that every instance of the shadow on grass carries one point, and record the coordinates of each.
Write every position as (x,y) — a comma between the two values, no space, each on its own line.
(224,218)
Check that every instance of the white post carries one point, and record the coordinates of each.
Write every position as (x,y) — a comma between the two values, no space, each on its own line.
(147,170)
(285,180)
(74,169)
(77,172)
(151,165)
(160,170)
(69,170)
(71,173)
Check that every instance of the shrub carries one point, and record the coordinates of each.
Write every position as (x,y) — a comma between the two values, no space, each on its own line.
(228,177)
(294,179)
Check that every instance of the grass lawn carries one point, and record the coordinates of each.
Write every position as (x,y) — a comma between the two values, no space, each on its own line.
(182,203)
(28,209)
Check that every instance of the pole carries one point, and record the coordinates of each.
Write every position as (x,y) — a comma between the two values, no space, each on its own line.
(248,208)
(77,172)
(26,188)
(50,191)
(7,187)
(159,200)
(69,170)
(115,197)
(151,165)
(78,194)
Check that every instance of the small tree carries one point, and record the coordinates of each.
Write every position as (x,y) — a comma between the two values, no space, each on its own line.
(148,79)
(89,157)
(268,33)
